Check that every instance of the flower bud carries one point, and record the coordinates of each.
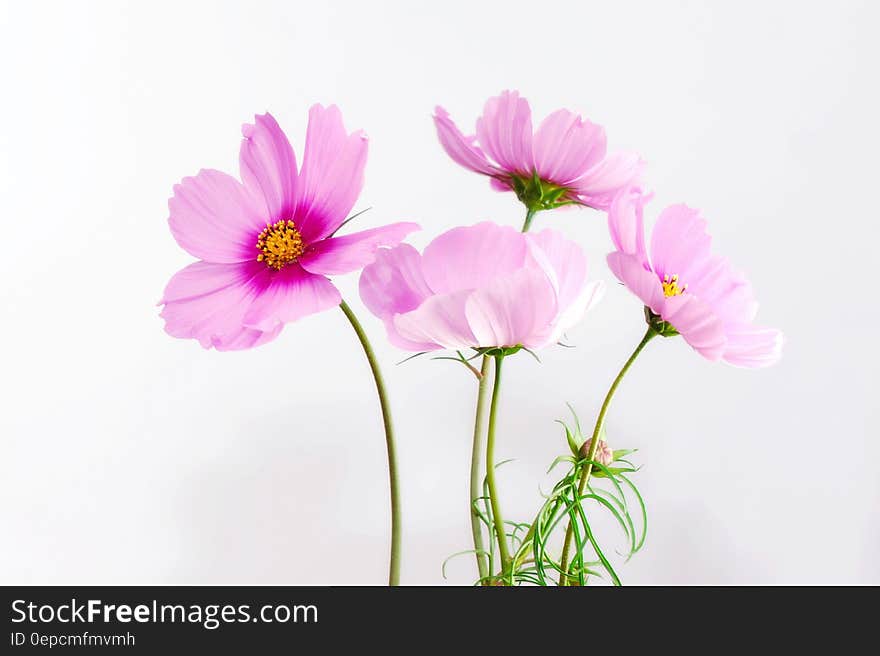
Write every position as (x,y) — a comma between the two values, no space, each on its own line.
(604,455)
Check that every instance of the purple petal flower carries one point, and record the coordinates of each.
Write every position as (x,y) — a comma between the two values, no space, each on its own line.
(564,161)
(266,244)
(699,294)
(480,286)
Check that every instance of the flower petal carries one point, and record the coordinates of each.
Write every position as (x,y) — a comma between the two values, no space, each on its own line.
(338,255)
(394,283)
(567,146)
(698,324)
(680,244)
(598,186)
(749,346)
(332,173)
(215,218)
(469,257)
(570,316)
(287,295)
(564,262)
(641,282)
(512,310)
(626,222)
(726,289)
(207,301)
(401,342)
(440,321)
(268,166)
(499,184)
(461,149)
(505,132)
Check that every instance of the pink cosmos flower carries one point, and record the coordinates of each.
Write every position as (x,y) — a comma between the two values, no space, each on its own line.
(563,162)
(266,244)
(480,286)
(697,293)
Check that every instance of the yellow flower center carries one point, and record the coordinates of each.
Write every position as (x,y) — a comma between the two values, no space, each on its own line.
(280,244)
(670,286)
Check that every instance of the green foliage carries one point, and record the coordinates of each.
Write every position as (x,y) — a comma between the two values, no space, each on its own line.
(606,493)
(536,546)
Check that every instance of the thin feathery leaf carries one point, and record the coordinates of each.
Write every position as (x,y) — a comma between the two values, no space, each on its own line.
(349,219)
(635,491)
(532,353)
(605,563)
(629,529)
(460,553)
(412,357)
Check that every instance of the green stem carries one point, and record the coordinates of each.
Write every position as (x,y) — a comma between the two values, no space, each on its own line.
(476,454)
(490,470)
(394,564)
(530,214)
(588,468)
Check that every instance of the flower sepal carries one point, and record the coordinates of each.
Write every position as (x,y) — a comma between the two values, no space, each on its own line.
(499,351)
(537,194)
(661,327)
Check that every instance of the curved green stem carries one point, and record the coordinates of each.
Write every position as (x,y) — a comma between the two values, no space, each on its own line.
(497,518)
(588,467)
(394,564)
(476,455)
(530,214)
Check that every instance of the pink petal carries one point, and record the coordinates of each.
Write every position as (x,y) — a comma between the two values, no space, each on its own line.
(288,295)
(567,146)
(696,322)
(626,222)
(247,338)
(498,184)
(644,284)
(469,257)
(569,316)
(727,290)
(338,255)
(461,149)
(332,173)
(398,340)
(598,186)
(207,301)
(737,304)
(512,310)
(564,262)
(748,346)
(505,132)
(268,166)
(679,244)
(215,218)
(439,321)
(394,283)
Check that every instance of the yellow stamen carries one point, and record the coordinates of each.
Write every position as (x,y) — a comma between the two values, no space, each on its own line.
(670,286)
(280,244)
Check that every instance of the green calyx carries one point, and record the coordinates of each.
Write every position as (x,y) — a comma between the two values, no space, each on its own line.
(537,194)
(662,328)
(499,351)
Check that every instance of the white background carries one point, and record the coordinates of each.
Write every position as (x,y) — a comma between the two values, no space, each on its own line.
(131,457)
